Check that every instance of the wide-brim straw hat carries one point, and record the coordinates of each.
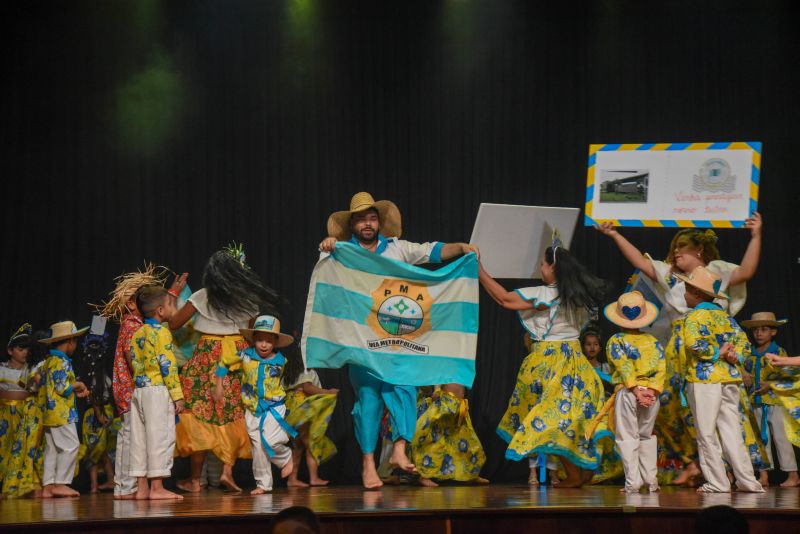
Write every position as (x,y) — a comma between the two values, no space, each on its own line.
(631,310)
(63,331)
(704,280)
(388,212)
(269,325)
(763,319)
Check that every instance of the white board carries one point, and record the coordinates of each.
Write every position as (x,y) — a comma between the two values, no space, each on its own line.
(513,238)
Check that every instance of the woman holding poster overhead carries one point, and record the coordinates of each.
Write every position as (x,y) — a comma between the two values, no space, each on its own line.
(558,395)
(690,248)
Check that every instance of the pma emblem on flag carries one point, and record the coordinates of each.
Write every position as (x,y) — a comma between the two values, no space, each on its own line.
(400,313)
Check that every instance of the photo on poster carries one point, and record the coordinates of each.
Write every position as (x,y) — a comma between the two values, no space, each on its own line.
(624,185)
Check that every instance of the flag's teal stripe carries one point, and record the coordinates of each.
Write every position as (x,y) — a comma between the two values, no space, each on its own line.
(336,301)
(455,317)
(399,369)
(341,303)
(354,257)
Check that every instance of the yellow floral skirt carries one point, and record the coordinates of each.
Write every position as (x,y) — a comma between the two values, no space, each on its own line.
(786,394)
(314,411)
(556,399)
(97,440)
(445,445)
(208,425)
(22,466)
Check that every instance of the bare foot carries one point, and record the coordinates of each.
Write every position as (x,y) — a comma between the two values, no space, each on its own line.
(481,480)
(296,483)
(142,493)
(228,482)
(108,486)
(287,469)
(401,461)
(190,485)
(763,479)
(533,477)
(164,495)
(318,482)
(47,492)
(792,482)
(428,483)
(569,483)
(258,491)
(370,478)
(685,477)
(62,490)
(93,490)
(38,494)
(128,497)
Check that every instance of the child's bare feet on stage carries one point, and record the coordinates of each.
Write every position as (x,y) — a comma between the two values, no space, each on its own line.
(318,482)
(127,497)
(47,492)
(296,483)
(142,493)
(62,490)
(106,486)
(162,494)
(687,476)
(258,491)
(792,482)
(569,483)
(287,469)
(227,480)
(763,478)
(428,483)
(190,485)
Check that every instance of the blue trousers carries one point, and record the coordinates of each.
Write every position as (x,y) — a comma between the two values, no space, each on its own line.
(372,394)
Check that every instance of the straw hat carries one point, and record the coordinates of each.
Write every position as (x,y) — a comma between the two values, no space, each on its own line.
(270,325)
(389,214)
(704,280)
(631,310)
(763,319)
(63,331)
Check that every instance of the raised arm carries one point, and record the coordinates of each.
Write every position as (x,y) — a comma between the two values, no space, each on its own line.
(747,269)
(630,252)
(182,316)
(509,300)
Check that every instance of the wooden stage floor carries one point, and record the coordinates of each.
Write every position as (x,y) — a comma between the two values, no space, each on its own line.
(493,508)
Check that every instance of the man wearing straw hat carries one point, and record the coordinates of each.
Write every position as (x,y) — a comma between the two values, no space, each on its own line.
(714,345)
(60,414)
(376,227)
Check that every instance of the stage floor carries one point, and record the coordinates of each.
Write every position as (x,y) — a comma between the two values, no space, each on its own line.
(212,509)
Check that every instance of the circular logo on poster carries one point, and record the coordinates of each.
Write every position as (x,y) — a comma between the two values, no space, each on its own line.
(399,315)
(715,175)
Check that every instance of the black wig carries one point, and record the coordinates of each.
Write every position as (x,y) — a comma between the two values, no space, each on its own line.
(235,289)
(577,287)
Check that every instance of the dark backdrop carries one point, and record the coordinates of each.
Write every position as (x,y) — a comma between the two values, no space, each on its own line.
(137,130)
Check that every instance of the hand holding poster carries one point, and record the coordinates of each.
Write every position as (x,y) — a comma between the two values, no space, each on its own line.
(673,184)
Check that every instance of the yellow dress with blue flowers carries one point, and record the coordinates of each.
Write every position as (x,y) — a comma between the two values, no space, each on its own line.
(98,440)
(784,388)
(314,411)
(705,330)
(677,437)
(558,394)
(446,446)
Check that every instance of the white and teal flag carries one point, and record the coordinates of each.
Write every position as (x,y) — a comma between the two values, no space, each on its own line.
(408,325)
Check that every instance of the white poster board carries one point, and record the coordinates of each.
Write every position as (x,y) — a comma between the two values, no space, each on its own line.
(512,238)
(673,184)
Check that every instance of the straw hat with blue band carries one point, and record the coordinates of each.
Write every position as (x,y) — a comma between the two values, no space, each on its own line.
(269,325)
(704,280)
(763,319)
(631,310)
(63,331)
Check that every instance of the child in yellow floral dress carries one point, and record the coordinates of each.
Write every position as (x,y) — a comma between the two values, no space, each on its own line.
(446,446)
(772,387)
(261,369)
(61,415)
(639,373)
(714,344)
(309,409)
(99,439)
(787,391)
(558,394)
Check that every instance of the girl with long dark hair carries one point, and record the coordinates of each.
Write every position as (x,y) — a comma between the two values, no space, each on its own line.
(232,295)
(558,395)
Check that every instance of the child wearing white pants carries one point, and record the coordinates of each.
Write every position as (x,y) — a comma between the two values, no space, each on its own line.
(263,396)
(639,371)
(157,395)
(60,413)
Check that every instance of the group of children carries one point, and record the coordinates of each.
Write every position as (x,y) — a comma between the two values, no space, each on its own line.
(707,397)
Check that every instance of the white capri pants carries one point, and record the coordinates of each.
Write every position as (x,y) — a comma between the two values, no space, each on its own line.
(61,446)
(276,438)
(152,441)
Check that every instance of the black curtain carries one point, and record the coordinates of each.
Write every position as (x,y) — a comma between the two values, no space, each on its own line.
(162,130)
